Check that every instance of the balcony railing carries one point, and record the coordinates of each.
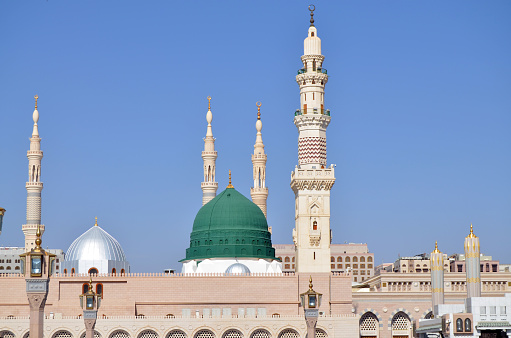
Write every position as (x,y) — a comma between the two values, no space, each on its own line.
(312,111)
(318,70)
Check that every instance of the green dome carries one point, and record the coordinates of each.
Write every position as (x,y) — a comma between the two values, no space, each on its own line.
(230,225)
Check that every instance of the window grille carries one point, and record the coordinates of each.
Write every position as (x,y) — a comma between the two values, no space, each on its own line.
(120,334)
(232,333)
(176,334)
(288,333)
(368,322)
(204,334)
(7,334)
(260,333)
(400,322)
(62,334)
(148,334)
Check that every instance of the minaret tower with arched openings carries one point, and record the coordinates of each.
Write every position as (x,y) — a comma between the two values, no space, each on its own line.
(34,186)
(259,192)
(312,180)
(209,155)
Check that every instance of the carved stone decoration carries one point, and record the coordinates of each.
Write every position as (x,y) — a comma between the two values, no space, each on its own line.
(36,300)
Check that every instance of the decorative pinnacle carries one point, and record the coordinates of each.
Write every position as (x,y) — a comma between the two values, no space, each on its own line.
(312,8)
(38,240)
(91,290)
(230,185)
(36,97)
(209,102)
(96,224)
(258,104)
(471,235)
(436,248)
(310,283)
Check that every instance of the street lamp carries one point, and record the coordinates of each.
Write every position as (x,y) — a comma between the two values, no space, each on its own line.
(2,212)
(90,302)
(311,301)
(36,267)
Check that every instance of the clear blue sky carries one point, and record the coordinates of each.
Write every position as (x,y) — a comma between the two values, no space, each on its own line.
(419,91)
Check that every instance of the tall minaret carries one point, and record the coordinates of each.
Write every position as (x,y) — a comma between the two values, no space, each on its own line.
(209,155)
(472,265)
(259,192)
(437,278)
(34,186)
(311,180)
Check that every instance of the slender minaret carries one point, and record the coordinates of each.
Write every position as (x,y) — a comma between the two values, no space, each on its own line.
(34,186)
(437,278)
(259,192)
(209,155)
(472,264)
(311,180)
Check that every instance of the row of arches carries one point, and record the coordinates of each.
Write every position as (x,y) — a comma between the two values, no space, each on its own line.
(94,271)
(400,324)
(177,333)
(353,259)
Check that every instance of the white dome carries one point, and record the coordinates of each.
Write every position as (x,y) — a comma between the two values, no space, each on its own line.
(93,245)
(237,268)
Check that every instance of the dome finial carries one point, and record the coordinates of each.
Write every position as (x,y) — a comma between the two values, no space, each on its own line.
(471,234)
(310,283)
(258,104)
(436,248)
(312,8)
(230,185)
(96,223)
(209,102)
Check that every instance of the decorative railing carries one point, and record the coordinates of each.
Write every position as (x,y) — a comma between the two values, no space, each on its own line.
(318,70)
(312,111)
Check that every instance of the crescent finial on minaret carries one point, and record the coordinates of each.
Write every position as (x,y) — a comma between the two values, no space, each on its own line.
(312,8)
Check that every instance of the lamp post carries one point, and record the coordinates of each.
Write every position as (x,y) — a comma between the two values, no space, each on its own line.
(37,268)
(89,302)
(2,212)
(311,301)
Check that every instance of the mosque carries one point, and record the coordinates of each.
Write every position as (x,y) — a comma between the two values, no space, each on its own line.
(233,282)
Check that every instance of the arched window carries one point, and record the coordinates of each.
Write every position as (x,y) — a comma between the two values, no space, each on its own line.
(293,260)
(369,259)
(122,271)
(287,260)
(65,271)
(8,268)
(339,259)
(400,322)
(280,258)
(459,325)
(314,225)
(362,259)
(73,271)
(332,259)
(468,325)
(114,271)
(368,324)
(347,259)
(99,289)
(85,287)
(355,259)
(93,271)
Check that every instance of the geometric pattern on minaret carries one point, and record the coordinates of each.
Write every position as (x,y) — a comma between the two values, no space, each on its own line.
(312,180)
(437,278)
(259,192)
(34,186)
(209,155)
(472,264)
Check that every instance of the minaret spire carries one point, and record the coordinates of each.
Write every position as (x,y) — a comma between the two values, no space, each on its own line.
(209,155)
(34,186)
(259,192)
(437,278)
(312,180)
(472,264)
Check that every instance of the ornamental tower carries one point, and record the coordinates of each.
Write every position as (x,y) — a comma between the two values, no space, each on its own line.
(312,180)
(259,192)
(34,186)
(472,265)
(437,278)
(209,155)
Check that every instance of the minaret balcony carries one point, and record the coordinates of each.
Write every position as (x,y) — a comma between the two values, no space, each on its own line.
(318,70)
(312,111)
(209,184)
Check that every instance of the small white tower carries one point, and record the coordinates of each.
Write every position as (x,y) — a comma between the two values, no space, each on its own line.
(209,155)
(311,180)
(259,192)
(34,186)
(472,264)
(437,278)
